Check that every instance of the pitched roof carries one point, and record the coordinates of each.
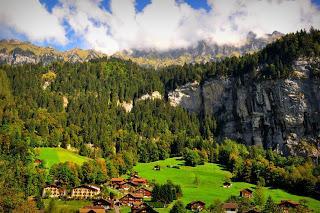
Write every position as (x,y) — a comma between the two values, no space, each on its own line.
(246,190)
(289,202)
(117,179)
(199,201)
(92,187)
(93,207)
(230,206)
(139,180)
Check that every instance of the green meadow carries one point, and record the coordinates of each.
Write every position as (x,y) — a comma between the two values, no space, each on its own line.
(209,185)
(59,155)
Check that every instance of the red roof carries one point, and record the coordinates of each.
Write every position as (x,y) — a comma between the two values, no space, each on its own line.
(139,180)
(137,195)
(117,179)
(290,202)
(246,190)
(230,206)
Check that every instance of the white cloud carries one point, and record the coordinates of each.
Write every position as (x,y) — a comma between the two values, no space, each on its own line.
(30,18)
(162,24)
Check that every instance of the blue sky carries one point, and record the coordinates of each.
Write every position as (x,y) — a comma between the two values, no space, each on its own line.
(155,24)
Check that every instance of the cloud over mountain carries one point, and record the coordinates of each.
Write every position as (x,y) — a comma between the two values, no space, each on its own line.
(162,24)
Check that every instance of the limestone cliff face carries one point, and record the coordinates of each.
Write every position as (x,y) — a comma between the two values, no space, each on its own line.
(272,113)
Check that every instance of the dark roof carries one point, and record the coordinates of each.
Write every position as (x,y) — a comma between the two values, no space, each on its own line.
(199,201)
(93,207)
(137,195)
(144,189)
(246,190)
(290,202)
(226,183)
(230,206)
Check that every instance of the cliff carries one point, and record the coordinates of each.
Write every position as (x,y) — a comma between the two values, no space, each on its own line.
(280,114)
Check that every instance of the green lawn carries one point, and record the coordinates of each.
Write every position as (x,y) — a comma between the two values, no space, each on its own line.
(211,177)
(59,155)
(68,206)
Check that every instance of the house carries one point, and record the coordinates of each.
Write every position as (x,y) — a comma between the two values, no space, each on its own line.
(92,209)
(131,199)
(139,181)
(134,175)
(230,207)
(227,185)
(196,206)
(142,208)
(107,204)
(115,181)
(54,191)
(85,191)
(285,205)
(122,186)
(247,193)
(146,193)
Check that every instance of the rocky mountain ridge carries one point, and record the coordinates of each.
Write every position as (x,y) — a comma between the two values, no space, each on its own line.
(280,114)
(19,52)
(201,52)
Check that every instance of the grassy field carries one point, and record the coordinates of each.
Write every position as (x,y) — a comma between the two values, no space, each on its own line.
(68,206)
(211,177)
(59,155)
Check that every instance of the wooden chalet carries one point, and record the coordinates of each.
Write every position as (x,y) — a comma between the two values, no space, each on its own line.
(107,204)
(142,208)
(247,193)
(139,181)
(92,209)
(131,199)
(146,193)
(85,192)
(286,205)
(196,206)
(54,191)
(115,181)
(230,207)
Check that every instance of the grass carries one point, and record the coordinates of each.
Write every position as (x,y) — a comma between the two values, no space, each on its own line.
(211,177)
(68,206)
(59,155)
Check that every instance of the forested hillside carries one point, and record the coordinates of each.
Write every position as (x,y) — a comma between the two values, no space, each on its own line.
(78,105)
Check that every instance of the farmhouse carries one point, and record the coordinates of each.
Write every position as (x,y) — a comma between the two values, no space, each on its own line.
(130,199)
(142,208)
(196,206)
(115,181)
(230,207)
(139,181)
(285,205)
(85,191)
(146,193)
(247,193)
(92,209)
(107,204)
(54,191)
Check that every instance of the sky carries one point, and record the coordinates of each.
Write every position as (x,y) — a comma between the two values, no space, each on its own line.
(114,25)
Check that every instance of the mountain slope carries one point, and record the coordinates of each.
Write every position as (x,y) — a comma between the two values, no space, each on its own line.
(201,52)
(18,52)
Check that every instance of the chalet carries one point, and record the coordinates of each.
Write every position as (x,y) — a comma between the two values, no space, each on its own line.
(107,204)
(286,205)
(196,206)
(115,181)
(142,208)
(139,181)
(230,207)
(247,193)
(37,161)
(146,193)
(227,185)
(92,209)
(131,199)
(85,191)
(122,186)
(54,191)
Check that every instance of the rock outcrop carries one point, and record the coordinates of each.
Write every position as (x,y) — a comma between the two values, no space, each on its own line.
(273,113)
